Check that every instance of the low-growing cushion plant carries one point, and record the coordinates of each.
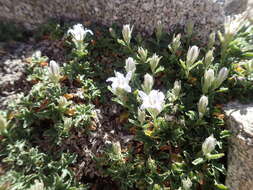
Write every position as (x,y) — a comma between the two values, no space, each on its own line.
(170,88)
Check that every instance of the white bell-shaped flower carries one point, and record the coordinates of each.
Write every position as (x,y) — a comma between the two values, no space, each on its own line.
(153,102)
(209,145)
(120,83)
(79,33)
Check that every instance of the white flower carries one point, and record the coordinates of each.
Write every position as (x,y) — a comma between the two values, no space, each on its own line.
(78,32)
(130,65)
(154,61)
(141,115)
(202,106)
(192,55)
(187,183)
(153,102)
(120,83)
(54,71)
(208,80)
(148,83)
(127,33)
(209,145)
(223,74)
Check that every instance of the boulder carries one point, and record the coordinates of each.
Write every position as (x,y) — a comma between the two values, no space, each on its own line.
(208,15)
(240,152)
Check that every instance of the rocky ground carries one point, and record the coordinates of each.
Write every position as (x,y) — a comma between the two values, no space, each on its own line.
(13,64)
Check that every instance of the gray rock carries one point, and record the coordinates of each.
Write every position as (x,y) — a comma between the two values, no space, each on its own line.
(207,15)
(240,156)
(235,6)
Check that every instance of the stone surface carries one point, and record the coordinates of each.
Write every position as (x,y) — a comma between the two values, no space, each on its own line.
(240,155)
(237,6)
(207,15)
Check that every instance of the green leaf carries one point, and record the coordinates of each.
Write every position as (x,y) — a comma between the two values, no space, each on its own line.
(182,63)
(159,69)
(215,156)
(191,114)
(198,161)
(221,186)
(225,134)
(248,54)
(195,64)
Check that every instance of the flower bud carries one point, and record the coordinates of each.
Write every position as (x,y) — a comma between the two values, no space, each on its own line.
(142,54)
(67,123)
(208,80)
(192,55)
(187,183)
(141,116)
(175,44)
(37,54)
(37,185)
(54,71)
(151,164)
(112,32)
(148,83)
(177,88)
(130,65)
(189,28)
(116,148)
(248,66)
(154,61)
(202,106)
(3,124)
(127,33)
(159,30)
(63,102)
(209,145)
(211,41)
(233,25)
(223,74)
(208,58)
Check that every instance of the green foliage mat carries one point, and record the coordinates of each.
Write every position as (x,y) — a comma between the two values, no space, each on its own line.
(179,143)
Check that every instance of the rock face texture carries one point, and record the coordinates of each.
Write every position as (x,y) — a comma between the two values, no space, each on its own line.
(207,15)
(240,156)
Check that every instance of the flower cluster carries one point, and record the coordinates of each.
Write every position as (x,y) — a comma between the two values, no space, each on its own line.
(212,81)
